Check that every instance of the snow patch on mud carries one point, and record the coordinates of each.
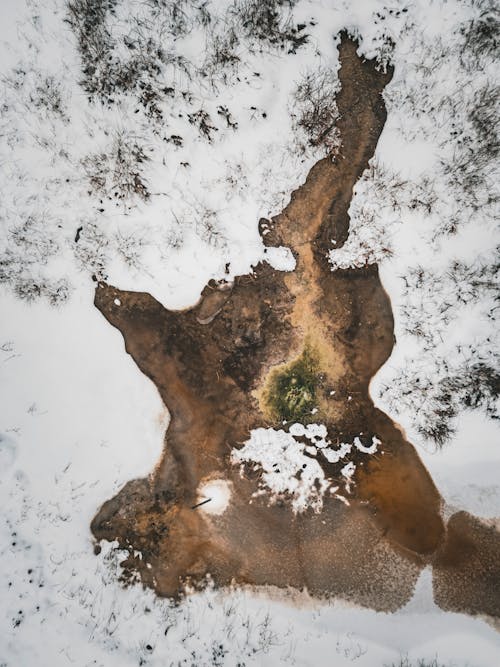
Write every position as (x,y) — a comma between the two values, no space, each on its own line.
(290,467)
(214,496)
(280,258)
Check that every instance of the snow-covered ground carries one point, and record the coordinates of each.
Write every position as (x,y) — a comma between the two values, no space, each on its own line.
(72,402)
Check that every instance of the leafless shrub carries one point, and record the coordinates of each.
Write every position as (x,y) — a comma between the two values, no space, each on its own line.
(30,247)
(315,109)
(208,227)
(404,661)
(32,240)
(434,395)
(369,241)
(268,23)
(480,35)
(385,51)
(48,94)
(91,251)
(96,169)
(16,78)
(434,299)
(218,654)
(129,247)
(30,289)
(174,238)
(396,15)
(201,120)
(389,190)
(110,70)
(222,57)
(226,114)
(472,170)
(118,173)
(173,14)
(87,18)
(129,156)
(35,89)
(484,120)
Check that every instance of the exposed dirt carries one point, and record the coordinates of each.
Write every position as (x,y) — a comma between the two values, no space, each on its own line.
(224,368)
(467,568)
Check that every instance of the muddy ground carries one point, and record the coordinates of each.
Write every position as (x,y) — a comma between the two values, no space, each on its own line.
(226,366)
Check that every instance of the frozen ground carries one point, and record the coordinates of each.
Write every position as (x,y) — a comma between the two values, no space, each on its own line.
(72,401)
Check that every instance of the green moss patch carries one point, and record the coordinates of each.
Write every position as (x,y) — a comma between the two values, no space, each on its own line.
(291,393)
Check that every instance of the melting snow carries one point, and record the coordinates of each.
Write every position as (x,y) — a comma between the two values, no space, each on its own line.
(218,494)
(280,258)
(289,467)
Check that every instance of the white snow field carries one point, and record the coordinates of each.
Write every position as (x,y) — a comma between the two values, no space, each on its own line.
(78,419)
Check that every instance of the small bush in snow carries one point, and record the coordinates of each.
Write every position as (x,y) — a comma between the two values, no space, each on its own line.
(434,394)
(315,108)
(92,251)
(119,172)
(433,299)
(129,248)
(419,662)
(481,34)
(208,227)
(87,19)
(202,121)
(269,23)
(222,56)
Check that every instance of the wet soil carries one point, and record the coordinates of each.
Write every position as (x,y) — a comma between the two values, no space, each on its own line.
(218,367)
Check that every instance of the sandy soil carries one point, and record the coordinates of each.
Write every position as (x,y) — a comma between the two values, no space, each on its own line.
(217,367)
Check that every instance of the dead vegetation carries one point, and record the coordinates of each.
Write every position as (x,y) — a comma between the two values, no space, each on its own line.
(315,109)
(119,172)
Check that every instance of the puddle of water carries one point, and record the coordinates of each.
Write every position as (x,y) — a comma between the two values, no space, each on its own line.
(265,349)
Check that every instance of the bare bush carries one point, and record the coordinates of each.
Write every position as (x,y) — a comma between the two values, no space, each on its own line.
(433,299)
(134,62)
(119,172)
(390,191)
(222,57)
(208,226)
(472,170)
(480,35)
(268,23)
(48,94)
(20,267)
(202,121)
(30,289)
(92,251)
(129,247)
(315,108)
(87,18)
(434,396)
(404,661)
(380,196)
(32,240)
(129,156)
(174,237)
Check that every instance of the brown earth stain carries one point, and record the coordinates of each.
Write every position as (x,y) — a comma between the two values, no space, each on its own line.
(214,365)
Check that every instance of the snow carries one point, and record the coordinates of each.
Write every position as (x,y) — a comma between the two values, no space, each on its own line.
(280,258)
(371,449)
(206,196)
(289,466)
(77,418)
(286,468)
(336,455)
(215,494)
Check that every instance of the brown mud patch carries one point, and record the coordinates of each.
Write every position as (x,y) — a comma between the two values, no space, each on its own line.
(262,350)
